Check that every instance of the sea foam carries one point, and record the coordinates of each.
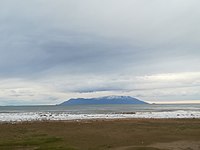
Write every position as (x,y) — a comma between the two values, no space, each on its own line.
(42,116)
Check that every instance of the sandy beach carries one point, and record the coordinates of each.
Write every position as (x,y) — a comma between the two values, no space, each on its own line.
(116,134)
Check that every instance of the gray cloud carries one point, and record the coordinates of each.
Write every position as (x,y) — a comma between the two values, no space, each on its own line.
(45,39)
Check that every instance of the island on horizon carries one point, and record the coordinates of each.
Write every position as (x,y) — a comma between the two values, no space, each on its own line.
(103,100)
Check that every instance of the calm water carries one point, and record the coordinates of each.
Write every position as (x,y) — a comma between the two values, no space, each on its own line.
(101,109)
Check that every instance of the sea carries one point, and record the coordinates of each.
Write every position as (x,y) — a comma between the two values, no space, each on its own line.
(84,112)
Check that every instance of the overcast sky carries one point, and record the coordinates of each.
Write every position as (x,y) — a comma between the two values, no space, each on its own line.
(51,51)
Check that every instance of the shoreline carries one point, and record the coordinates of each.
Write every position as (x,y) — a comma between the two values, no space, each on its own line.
(53,116)
(99,120)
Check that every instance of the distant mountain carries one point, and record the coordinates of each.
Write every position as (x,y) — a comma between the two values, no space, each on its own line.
(103,100)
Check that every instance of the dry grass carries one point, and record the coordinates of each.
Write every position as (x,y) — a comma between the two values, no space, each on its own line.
(132,134)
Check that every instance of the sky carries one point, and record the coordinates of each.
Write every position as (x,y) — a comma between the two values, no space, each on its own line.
(51,51)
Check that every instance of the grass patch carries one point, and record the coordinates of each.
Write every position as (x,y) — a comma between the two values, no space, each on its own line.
(97,135)
(36,143)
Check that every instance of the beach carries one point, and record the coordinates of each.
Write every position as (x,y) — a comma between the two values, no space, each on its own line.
(102,134)
(99,75)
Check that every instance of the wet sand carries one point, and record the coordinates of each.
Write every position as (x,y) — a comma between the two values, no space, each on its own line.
(117,134)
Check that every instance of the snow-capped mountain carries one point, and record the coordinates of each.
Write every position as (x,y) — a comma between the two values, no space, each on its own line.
(104,100)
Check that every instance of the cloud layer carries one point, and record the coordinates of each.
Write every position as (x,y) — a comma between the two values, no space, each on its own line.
(54,50)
